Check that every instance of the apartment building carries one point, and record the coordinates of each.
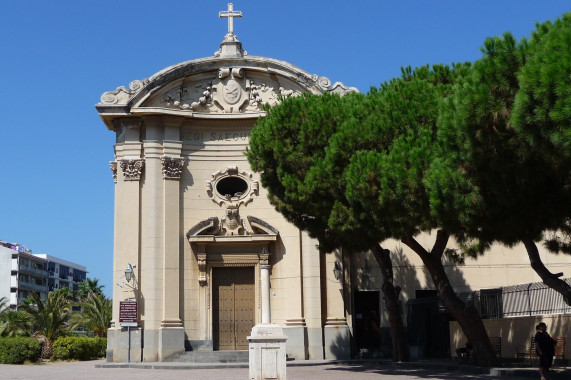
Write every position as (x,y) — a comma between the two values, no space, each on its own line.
(22,272)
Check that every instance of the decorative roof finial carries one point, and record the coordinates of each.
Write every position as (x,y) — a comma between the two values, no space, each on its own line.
(230,14)
(230,47)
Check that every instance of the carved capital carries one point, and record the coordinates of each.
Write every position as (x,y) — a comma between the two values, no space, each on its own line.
(172,167)
(113,167)
(132,169)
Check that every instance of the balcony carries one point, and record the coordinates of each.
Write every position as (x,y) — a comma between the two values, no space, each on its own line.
(32,270)
(13,299)
(32,286)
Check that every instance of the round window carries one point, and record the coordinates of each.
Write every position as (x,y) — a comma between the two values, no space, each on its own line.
(232,186)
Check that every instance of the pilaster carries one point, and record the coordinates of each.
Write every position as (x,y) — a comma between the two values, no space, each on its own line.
(311,268)
(152,254)
(128,170)
(171,335)
(336,334)
(172,167)
(295,326)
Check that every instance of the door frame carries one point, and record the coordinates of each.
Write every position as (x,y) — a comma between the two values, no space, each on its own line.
(220,255)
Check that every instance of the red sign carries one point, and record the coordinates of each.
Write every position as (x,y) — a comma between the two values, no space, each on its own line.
(128,314)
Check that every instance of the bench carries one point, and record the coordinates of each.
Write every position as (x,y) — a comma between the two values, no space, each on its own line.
(523,351)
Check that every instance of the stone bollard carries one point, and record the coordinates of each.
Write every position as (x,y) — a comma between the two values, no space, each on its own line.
(267,352)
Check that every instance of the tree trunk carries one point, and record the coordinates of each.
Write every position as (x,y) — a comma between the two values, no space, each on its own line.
(466,315)
(391,295)
(47,349)
(549,279)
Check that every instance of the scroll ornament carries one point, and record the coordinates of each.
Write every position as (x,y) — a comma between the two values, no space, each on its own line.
(121,95)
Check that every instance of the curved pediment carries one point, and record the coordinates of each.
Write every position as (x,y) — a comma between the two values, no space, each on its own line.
(214,87)
(232,227)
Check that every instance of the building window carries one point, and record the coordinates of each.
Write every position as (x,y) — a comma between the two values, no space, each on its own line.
(491,303)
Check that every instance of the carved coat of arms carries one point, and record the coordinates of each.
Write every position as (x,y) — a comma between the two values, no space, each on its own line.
(231,91)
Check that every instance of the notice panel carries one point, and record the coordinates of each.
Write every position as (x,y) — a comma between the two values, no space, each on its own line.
(128,314)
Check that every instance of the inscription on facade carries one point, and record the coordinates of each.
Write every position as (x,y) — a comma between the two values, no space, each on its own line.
(217,136)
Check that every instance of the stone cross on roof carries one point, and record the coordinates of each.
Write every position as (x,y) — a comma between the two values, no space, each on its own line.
(230,14)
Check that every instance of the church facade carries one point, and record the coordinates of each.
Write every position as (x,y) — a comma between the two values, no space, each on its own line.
(207,255)
(210,256)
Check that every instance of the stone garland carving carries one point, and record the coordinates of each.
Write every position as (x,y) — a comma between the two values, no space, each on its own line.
(113,167)
(264,94)
(132,169)
(230,92)
(177,99)
(121,95)
(172,167)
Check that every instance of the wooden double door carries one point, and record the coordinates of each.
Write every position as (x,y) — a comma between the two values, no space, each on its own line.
(233,296)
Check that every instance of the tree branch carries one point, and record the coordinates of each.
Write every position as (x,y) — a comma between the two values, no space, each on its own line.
(440,243)
(416,247)
(549,279)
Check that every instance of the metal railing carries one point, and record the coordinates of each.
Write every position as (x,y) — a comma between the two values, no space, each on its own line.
(32,286)
(520,300)
(33,270)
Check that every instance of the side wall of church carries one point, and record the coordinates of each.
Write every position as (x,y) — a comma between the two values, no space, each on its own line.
(501,266)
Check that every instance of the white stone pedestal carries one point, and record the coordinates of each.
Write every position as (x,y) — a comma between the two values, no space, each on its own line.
(267,352)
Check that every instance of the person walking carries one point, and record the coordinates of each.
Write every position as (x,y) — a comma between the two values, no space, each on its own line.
(545,349)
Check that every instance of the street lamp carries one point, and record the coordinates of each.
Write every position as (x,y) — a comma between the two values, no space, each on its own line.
(337,270)
(129,273)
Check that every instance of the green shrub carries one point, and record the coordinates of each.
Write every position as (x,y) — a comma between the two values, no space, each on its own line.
(101,344)
(79,348)
(17,350)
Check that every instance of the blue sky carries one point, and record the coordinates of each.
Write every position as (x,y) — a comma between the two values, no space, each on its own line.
(58,57)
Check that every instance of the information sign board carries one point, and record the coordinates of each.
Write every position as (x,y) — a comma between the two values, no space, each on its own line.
(128,314)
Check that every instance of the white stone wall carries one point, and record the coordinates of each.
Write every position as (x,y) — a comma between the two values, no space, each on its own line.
(5,271)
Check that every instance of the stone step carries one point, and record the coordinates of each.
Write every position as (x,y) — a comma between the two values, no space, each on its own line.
(213,357)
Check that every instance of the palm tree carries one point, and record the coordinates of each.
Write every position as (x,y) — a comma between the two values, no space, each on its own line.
(49,317)
(15,323)
(3,304)
(90,286)
(95,314)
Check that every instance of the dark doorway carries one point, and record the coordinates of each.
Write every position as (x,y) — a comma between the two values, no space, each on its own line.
(428,327)
(367,321)
(233,298)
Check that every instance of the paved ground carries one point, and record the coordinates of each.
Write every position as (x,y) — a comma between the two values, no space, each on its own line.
(365,371)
